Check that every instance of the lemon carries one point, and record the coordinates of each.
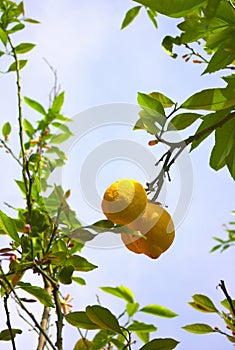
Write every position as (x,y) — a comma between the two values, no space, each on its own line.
(124,201)
(157,227)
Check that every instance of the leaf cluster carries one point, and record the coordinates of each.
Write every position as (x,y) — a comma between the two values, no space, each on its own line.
(117,331)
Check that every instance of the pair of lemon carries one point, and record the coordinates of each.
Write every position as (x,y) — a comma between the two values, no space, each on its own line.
(125,202)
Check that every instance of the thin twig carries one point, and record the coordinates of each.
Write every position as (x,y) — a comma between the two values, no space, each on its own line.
(20,303)
(9,321)
(10,151)
(230,301)
(25,172)
(175,149)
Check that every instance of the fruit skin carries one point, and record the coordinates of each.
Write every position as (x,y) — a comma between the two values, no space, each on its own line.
(158,228)
(124,201)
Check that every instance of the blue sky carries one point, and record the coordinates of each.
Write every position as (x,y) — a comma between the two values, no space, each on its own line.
(99,65)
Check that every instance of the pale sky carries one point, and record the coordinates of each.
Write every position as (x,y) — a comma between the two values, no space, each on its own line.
(98,64)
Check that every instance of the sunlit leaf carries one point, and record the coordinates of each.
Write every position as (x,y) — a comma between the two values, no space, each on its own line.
(173,8)
(8,227)
(14,65)
(120,292)
(204,302)
(141,327)
(130,16)
(24,47)
(35,105)
(163,99)
(6,129)
(79,280)
(158,310)
(198,328)
(83,344)
(211,99)
(132,308)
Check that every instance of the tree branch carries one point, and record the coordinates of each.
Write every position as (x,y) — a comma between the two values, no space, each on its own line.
(60,317)
(25,171)
(175,149)
(9,321)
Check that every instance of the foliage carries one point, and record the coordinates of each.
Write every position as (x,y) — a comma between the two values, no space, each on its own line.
(203,304)
(208,26)
(46,238)
(225,244)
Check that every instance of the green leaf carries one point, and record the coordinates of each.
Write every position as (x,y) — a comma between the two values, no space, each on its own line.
(62,127)
(173,8)
(80,264)
(31,20)
(79,280)
(211,99)
(13,66)
(230,161)
(120,292)
(65,275)
(152,106)
(38,293)
(167,44)
(224,142)
(81,320)
(226,304)
(144,336)
(215,248)
(58,103)
(103,318)
(6,335)
(224,55)
(103,224)
(198,328)
(183,120)
(6,129)
(83,344)
(8,227)
(132,308)
(24,47)
(3,36)
(163,99)
(130,16)
(28,127)
(160,344)
(158,310)
(16,28)
(211,8)
(208,122)
(60,138)
(101,339)
(81,235)
(204,302)
(141,327)
(152,16)
(35,105)
(148,121)
(139,125)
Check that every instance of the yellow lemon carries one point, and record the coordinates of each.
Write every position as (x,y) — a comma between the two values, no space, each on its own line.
(124,201)
(157,227)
